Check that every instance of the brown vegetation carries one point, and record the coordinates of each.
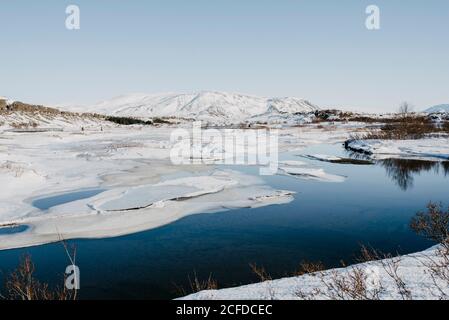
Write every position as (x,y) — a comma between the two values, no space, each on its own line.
(433,224)
(355,283)
(196,285)
(22,285)
(307,267)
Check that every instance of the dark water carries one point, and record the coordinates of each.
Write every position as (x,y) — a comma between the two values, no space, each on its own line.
(12,230)
(326,222)
(56,200)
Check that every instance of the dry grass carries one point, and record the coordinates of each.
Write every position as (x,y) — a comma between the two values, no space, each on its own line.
(355,283)
(260,272)
(438,269)
(445,127)
(307,267)
(196,285)
(22,285)
(409,127)
(12,167)
(24,125)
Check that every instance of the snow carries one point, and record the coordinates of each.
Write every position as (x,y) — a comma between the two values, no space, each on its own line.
(442,108)
(144,196)
(50,122)
(143,189)
(434,149)
(7,100)
(412,269)
(125,209)
(301,170)
(211,107)
(324,157)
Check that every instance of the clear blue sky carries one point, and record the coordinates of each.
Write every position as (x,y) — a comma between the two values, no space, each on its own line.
(314,49)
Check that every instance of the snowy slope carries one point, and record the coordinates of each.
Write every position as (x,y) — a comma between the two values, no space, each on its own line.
(418,282)
(215,107)
(442,108)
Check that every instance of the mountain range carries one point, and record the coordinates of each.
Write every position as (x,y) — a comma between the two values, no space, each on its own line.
(441,108)
(209,106)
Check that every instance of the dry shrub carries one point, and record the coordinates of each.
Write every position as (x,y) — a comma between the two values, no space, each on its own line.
(360,282)
(306,267)
(403,127)
(261,273)
(438,269)
(265,278)
(24,125)
(353,285)
(406,127)
(15,168)
(22,285)
(433,224)
(445,126)
(196,285)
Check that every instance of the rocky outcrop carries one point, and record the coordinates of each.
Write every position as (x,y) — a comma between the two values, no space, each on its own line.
(25,107)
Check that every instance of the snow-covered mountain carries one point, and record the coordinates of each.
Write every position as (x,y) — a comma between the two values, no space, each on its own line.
(442,108)
(6,100)
(213,107)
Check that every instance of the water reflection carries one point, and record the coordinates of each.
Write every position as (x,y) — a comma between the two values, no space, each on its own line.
(403,171)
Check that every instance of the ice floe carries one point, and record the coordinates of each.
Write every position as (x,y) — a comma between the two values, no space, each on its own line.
(121,211)
(304,171)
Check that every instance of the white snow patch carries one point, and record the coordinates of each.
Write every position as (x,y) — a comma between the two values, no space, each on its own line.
(301,170)
(436,149)
(442,108)
(412,269)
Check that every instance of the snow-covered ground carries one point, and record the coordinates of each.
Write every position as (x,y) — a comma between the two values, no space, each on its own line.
(433,149)
(304,171)
(407,277)
(46,121)
(141,187)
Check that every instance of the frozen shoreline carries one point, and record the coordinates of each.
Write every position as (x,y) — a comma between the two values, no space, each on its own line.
(431,149)
(412,269)
(127,209)
(143,189)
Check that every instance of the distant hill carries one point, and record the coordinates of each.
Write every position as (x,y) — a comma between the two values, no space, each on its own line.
(442,108)
(208,106)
